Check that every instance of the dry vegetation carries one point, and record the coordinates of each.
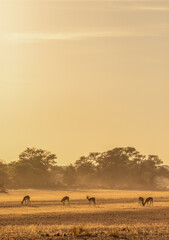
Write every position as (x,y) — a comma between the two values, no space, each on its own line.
(116,215)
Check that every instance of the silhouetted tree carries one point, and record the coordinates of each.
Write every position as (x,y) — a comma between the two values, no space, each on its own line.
(38,158)
(69,175)
(122,167)
(34,168)
(4,177)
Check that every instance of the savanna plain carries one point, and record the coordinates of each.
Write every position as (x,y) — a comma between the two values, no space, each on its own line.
(116,215)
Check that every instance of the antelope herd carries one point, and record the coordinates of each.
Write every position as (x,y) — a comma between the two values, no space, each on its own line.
(149,201)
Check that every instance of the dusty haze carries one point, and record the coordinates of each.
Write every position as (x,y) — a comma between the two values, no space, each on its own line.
(82,76)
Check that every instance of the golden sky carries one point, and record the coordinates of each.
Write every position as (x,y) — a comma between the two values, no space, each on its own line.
(84,75)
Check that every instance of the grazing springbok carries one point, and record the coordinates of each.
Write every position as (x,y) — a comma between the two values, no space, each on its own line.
(91,200)
(148,201)
(64,199)
(141,201)
(26,200)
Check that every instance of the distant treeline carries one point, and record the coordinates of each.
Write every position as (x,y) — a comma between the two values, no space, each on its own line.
(119,168)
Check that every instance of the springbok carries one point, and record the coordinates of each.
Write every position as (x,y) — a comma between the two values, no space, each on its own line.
(26,200)
(91,200)
(141,201)
(64,199)
(148,200)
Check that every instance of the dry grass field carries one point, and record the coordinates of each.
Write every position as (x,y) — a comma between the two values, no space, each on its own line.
(116,215)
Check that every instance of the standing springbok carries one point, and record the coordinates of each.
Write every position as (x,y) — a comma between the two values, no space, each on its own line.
(64,199)
(148,200)
(141,201)
(91,200)
(26,200)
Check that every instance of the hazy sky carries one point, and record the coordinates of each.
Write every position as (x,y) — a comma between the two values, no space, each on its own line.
(81,76)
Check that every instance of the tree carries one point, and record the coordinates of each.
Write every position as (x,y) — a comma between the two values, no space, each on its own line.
(38,158)
(69,175)
(4,177)
(121,167)
(34,168)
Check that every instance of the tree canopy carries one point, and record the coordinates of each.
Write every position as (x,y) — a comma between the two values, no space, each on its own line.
(122,168)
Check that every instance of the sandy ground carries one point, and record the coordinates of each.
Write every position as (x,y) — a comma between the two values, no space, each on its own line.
(116,215)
